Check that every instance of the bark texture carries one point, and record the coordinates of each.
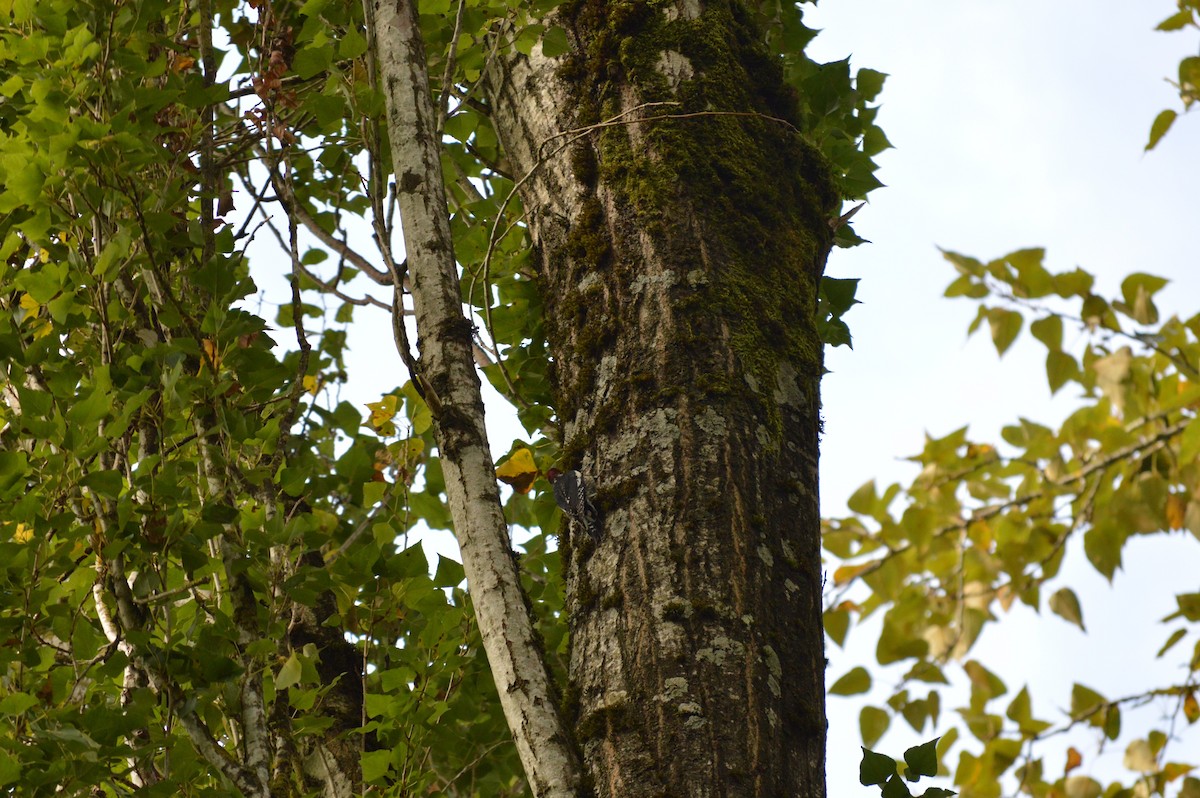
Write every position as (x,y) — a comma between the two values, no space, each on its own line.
(680,257)
(451,388)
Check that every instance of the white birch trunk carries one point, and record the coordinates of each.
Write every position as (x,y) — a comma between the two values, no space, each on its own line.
(448,377)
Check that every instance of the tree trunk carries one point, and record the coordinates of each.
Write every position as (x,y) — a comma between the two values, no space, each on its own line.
(680,244)
(451,388)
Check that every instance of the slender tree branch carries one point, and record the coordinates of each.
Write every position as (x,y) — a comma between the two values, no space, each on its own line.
(295,208)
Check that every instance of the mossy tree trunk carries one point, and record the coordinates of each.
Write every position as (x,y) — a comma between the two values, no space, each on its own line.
(681,243)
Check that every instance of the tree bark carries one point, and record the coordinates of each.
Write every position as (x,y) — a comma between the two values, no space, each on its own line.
(680,257)
(451,387)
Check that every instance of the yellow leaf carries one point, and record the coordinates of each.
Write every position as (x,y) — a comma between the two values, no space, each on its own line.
(1173,770)
(1191,708)
(980,532)
(24,534)
(1082,787)
(211,355)
(44,255)
(518,470)
(382,413)
(1006,595)
(1140,758)
(1074,760)
(847,573)
(30,304)
(42,328)
(383,461)
(312,383)
(1176,509)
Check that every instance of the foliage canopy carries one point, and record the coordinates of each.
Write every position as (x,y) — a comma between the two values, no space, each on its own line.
(198,534)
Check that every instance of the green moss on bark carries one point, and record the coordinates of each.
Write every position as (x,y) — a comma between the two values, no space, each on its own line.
(736,166)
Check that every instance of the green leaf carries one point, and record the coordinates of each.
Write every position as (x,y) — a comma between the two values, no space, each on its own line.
(90,408)
(461,126)
(13,467)
(312,61)
(1175,637)
(1102,545)
(106,483)
(554,42)
(1189,442)
(24,184)
(1189,74)
(289,674)
(1060,369)
(857,681)
(375,704)
(968,286)
(1087,703)
(926,672)
(1189,605)
(1112,723)
(373,492)
(1048,330)
(1065,604)
(1073,283)
(112,254)
(922,759)
(1162,123)
(872,723)
(837,623)
(10,768)
(17,703)
(1177,20)
(875,768)
(411,562)
(352,45)
(1137,290)
(347,418)
(895,788)
(1020,708)
(863,500)
(840,294)
(835,332)
(964,264)
(449,573)
(375,764)
(1032,280)
(988,684)
(42,284)
(869,83)
(526,38)
(1005,326)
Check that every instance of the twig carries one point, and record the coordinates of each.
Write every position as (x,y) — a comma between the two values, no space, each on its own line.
(448,74)
(1154,444)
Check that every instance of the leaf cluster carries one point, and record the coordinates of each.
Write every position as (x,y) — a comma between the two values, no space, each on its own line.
(1188,83)
(880,770)
(986,524)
